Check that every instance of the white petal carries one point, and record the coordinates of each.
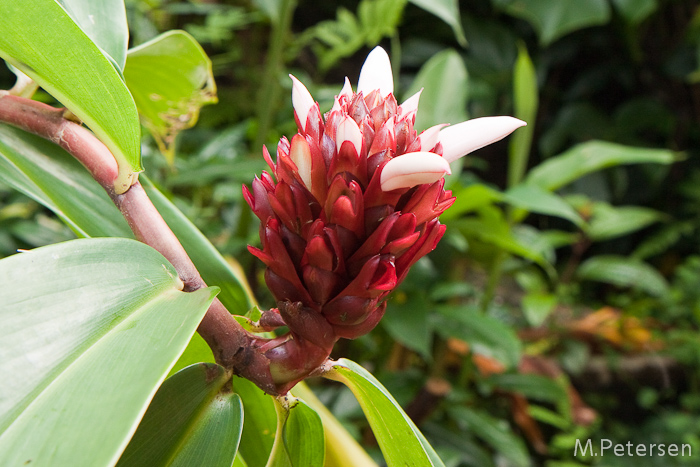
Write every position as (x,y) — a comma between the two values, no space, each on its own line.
(345,92)
(429,138)
(348,131)
(301,101)
(410,104)
(413,168)
(463,138)
(376,74)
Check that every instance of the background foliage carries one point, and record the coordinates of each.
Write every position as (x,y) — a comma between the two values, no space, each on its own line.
(563,302)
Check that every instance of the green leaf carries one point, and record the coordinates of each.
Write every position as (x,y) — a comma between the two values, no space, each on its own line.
(525,102)
(341,448)
(300,439)
(535,387)
(259,424)
(592,156)
(537,306)
(170,78)
(42,41)
(536,199)
(448,11)
(491,228)
(635,11)
(90,329)
(471,198)
(192,420)
(407,322)
(444,81)
(494,432)
(104,21)
(52,177)
(303,436)
(553,20)
(399,439)
(609,222)
(622,271)
(197,351)
(486,335)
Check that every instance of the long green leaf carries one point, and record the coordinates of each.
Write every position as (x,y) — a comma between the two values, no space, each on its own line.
(399,439)
(494,433)
(49,175)
(592,156)
(104,21)
(259,425)
(42,40)
(525,102)
(170,78)
(192,420)
(623,272)
(90,329)
(535,199)
(299,440)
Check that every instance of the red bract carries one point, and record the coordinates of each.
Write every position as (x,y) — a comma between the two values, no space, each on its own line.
(352,203)
(331,238)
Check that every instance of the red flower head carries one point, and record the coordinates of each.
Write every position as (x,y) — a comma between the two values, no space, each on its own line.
(354,202)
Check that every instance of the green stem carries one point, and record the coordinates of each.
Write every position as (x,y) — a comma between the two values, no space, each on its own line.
(269,93)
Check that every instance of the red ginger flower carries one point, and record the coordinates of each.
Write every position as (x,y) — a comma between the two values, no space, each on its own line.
(354,202)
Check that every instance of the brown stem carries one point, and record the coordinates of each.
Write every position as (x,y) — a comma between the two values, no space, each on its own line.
(289,359)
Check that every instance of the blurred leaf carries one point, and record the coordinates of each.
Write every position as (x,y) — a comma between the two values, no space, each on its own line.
(68,310)
(585,158)
(623,272)
(259,423)
(170,78)
(531,386)
(346,34)
(537,306)
(406,321)
(399,439)
(495,433)
(445,85)
(271,8)
(658,242)
(486,335)
(615,221)
(192,420)
(76,72)
(635,11)
(536,199)
(553,20)
(104,21)
(471,198)
(448,11)
(491,228)
(525,102)
(300,438)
